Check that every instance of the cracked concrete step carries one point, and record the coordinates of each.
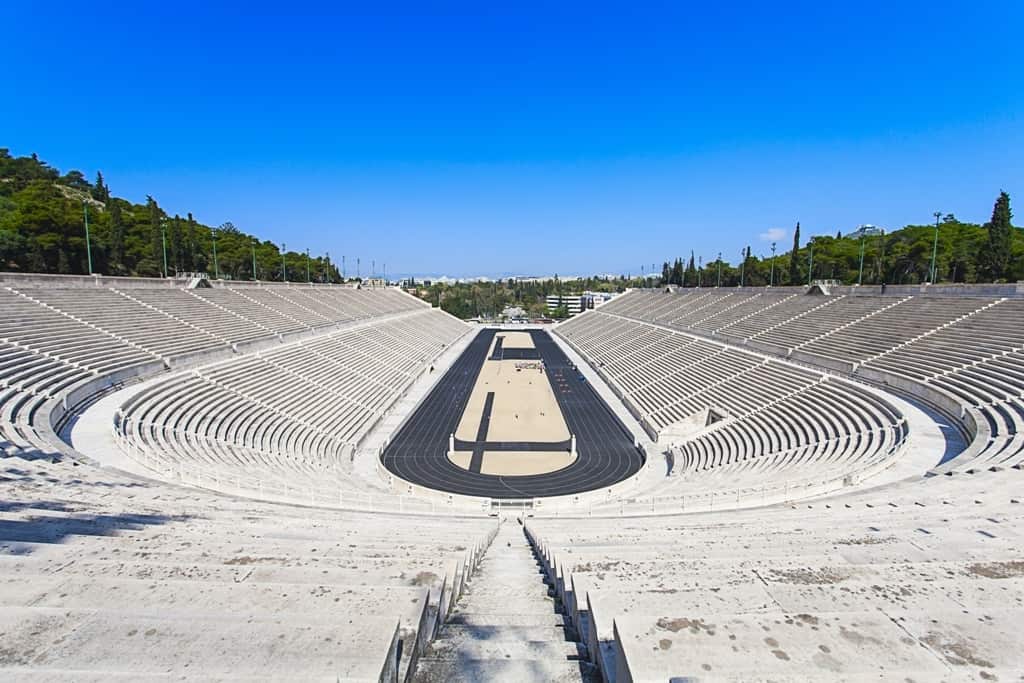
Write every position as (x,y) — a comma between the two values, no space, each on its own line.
(492,630)
(477,619)
(511,670)
(506,649)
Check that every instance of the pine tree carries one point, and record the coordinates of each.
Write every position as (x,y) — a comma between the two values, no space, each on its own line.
(677,272)
(691,271)
(794,264)
(100,191)
(156,233)
(1000,235)
(666,273)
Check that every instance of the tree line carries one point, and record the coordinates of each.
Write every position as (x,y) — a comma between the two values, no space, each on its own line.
(43,216)
(964,253)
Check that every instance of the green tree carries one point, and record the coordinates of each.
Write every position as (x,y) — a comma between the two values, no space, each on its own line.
(1000,234)
(100,191)
(794,256)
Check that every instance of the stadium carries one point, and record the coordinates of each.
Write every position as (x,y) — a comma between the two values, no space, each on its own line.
(227,479)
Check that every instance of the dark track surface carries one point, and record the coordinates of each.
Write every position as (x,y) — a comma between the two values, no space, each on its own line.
(606,455)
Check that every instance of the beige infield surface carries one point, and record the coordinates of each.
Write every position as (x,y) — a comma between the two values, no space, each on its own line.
(524,409)
(515,340)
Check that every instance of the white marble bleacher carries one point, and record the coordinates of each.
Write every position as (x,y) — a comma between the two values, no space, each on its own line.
(775,413)
(962,346)
(194,310)
(293,414)
(110,577)
(108,310)
(920,582)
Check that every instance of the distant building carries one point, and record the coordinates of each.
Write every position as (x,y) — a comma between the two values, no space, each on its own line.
(574,303)
(577,303)
(865,230)
(597,299)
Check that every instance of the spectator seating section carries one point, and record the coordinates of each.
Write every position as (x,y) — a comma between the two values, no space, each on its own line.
(969,348)
(780,420)
(296,412)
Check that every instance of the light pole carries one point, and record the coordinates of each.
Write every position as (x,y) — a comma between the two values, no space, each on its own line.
(284,266)
(935,244)
(359,268)
(810,266)
(163,245)
(253,245)
(308,280)
(88,246)
(216,269)
(342,267)
(700,267)
(771,278)
(719,269)
(743,265)
(860,275)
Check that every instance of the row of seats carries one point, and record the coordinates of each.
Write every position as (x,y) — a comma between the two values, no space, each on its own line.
(293,413)
(967,347)
(767,411)
(53,339)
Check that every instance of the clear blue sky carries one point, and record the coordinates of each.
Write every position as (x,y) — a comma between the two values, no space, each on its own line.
(571,138)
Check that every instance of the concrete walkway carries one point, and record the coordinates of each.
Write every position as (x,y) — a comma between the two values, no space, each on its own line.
(506,627)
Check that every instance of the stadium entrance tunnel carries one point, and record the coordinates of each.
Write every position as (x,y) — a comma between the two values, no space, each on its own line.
(513,418)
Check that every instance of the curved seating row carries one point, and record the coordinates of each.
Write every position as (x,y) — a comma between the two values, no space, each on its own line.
(295,412)
(773,412)
(969,348)
(54,339)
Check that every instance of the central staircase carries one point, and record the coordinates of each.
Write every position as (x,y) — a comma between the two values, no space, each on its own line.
(507,626)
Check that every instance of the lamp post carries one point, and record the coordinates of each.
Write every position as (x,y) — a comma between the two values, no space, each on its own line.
(216,269)
(308,280)
(935,244)
(771,278)
(253,245)
(719,269)
(359,268)
(163,244)
(88,246)
(810,265)
(860,275)
(743,266)
(284,266)
(342,267)
(700,267)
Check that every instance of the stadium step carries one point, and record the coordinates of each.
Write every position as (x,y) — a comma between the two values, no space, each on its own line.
(508,626)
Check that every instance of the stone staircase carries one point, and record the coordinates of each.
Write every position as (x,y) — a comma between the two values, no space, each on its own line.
(508,626)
